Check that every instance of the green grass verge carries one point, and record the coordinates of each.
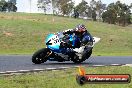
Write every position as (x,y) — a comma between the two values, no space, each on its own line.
(22,33)
(62,79)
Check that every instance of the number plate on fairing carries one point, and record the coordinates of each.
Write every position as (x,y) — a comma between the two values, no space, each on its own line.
(53,42)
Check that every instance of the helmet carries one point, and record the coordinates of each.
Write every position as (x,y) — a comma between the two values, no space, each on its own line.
(80,28)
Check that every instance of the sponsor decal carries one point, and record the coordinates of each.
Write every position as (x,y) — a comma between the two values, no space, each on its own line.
(83,78)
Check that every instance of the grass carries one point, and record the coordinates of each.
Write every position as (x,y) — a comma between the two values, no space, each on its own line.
(62,78)
(22,33)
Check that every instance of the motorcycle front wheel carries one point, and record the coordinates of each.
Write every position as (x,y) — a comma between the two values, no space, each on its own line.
(85,56)
(41,56)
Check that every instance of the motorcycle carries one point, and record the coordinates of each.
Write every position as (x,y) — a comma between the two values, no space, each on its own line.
(54,51)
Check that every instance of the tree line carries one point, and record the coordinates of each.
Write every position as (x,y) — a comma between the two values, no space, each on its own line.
(117,13)
(7,6)
(114,13)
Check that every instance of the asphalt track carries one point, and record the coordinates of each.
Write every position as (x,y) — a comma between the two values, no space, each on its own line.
(23,62)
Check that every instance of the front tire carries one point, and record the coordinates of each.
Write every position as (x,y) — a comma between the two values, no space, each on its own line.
(76,59)
(40,56)
(85,56)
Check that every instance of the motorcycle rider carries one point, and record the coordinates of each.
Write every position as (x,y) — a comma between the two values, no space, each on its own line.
(81,35)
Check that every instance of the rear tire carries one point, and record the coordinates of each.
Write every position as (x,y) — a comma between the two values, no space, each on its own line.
(40,56)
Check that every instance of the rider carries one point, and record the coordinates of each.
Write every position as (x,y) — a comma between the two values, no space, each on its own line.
(82,36)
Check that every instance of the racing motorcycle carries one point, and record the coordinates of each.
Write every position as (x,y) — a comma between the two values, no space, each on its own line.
(54,51)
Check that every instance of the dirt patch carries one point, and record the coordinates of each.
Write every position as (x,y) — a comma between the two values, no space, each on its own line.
(8,33)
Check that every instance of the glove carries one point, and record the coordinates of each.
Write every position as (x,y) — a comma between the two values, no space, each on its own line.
(69,31)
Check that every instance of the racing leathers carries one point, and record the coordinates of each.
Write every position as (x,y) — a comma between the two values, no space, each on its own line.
(81,38)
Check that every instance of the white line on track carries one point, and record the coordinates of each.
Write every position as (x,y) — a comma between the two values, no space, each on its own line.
(60,68)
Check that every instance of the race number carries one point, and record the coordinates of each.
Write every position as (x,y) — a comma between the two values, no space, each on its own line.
(55,40)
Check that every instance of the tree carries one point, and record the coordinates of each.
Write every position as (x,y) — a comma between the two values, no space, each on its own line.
(105,16)
(88,12)
(42,4)
(81,7)
(112,13)
(65,6)
(55,6)
(117,13)
(76,13)
(7,6)
(124,14)
(100,7)
(2,3)
(94,15)
(13,1)
(93,4)
(11,7)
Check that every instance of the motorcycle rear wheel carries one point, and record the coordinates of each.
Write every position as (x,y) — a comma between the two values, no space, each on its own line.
(40,56)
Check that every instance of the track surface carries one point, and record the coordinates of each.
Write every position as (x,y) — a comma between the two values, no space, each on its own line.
(23,62)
